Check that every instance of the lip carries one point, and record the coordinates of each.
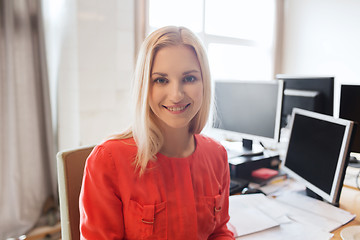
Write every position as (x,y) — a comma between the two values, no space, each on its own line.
(177,109)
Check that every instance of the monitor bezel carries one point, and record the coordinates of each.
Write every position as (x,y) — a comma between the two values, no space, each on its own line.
(254,137)
(334,195)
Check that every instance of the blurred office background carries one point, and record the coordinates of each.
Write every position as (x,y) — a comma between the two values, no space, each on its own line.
(66,69)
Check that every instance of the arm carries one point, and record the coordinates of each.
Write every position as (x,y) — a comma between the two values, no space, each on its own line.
(221,231)
(100,206)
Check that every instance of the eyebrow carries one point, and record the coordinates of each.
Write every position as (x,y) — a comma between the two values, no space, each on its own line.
(184,73)
(191,71)
(159,73)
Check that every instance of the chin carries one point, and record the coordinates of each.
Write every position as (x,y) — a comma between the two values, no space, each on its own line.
(177,125)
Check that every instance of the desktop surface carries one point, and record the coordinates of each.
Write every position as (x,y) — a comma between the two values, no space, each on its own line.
(349,201)
(337,232)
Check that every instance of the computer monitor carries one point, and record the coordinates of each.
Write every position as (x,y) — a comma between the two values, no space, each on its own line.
(350,109)
(317,153)
(310,93)
(251,109)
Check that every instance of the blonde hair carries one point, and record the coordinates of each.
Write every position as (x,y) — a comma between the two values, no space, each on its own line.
(146,133)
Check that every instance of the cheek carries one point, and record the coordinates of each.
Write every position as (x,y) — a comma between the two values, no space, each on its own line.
(200,98)
(197,94)
(153,98)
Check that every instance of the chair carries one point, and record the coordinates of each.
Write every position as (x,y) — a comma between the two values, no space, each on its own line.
(71,165)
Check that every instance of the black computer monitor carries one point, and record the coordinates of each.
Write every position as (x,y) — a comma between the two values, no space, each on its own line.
(350,109)
(310,93)
(317,153)
(251,109)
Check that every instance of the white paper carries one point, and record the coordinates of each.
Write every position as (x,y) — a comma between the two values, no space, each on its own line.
(308,210)
(257,217)
(246,215)
(291,230)
(289,216)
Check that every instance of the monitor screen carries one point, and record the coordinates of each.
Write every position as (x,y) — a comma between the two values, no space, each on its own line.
(317,152)
(350,109)
(249,108)
(310,93)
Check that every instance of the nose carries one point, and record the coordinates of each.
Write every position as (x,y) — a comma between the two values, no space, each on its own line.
(176,92)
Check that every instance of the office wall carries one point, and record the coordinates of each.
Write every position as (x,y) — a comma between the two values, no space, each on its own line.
(90,51)
(106,63)
(321,37)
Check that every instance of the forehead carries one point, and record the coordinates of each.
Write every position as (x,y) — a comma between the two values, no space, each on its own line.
(179,57)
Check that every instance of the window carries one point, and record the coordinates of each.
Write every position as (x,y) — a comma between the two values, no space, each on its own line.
(238,34)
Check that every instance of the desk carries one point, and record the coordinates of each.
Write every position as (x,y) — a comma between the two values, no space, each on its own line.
(350,201)
(337,232)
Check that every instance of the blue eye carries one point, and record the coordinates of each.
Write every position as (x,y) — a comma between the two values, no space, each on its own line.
(189,79)
(160,80)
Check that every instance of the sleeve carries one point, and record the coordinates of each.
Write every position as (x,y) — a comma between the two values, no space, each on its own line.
(221,231)
(100,206)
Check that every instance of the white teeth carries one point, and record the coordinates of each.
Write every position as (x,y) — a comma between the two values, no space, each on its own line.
(173,109)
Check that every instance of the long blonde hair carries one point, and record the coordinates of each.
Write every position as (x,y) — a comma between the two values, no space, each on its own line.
(146,133)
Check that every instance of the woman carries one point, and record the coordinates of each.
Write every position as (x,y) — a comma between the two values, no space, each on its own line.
(161,179)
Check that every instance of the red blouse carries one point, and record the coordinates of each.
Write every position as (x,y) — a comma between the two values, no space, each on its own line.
(176,198)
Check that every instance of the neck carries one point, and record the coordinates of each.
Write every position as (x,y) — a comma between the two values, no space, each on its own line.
(178,143)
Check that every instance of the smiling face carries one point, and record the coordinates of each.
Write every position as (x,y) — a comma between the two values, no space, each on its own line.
(176,86)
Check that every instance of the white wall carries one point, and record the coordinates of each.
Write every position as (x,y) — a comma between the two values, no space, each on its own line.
(106,63)
(322,37)
(90,51)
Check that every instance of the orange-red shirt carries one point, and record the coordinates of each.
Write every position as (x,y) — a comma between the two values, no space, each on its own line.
(176,198)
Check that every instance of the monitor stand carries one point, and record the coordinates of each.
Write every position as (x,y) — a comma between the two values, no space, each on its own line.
(249,148)
(308,192)
(246,148)
(312,194)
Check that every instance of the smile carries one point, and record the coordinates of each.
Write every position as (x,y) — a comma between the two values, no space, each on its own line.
(176,108)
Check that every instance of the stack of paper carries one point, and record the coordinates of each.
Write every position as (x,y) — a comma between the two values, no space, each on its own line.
(246,217)
(314,212)
(289,216)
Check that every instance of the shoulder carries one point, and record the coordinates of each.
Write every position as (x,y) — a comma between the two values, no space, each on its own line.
(208,142)
(110,152)
(116,146)
(211,146)
(212,155)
